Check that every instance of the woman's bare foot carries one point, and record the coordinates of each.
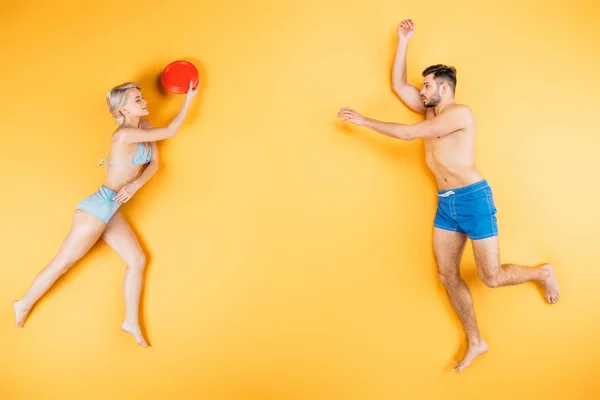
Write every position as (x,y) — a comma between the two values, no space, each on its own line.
(136,332)
(551,289)
(473,351)
(20,313)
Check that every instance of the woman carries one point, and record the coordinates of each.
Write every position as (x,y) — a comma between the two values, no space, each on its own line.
(133,146)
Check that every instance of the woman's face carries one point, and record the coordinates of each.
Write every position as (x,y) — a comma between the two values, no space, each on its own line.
(135,104)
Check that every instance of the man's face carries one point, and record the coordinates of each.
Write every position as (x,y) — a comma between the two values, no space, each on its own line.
(430,94)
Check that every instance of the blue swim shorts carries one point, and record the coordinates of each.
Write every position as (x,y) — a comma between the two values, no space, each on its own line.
(100,204)
(469,209)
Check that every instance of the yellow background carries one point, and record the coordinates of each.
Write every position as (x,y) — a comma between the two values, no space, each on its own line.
(290,257)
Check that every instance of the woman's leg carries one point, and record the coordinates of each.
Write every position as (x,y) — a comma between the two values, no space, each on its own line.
(85,231)
(119,236)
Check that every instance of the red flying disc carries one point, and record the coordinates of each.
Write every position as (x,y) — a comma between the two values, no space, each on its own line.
(177,76)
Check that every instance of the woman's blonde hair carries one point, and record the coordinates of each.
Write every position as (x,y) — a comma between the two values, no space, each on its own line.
(117,98)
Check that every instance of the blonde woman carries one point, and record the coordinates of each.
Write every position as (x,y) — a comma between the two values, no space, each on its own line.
(132,161)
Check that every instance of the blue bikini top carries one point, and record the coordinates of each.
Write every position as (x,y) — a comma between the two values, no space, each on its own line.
(142,156)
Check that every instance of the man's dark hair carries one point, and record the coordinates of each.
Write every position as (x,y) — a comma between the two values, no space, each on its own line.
(442,73)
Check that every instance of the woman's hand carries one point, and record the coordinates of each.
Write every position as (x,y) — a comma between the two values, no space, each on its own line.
(126,193)
(192,91)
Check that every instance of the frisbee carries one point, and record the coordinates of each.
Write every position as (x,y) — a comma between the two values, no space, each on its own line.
(176,76)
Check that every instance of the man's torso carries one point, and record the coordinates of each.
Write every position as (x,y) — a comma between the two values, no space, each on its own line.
(451,158)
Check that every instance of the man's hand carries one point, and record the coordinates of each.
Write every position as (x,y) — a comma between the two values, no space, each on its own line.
(351,116)
(406,29)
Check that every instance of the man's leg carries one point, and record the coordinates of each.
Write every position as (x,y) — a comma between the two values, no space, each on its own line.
(494,274)
(448,248)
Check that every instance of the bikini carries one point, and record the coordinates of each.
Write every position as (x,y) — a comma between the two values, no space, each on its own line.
(142,156)
(101,204)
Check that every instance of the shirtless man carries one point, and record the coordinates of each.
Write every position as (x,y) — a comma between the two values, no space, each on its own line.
(465,200)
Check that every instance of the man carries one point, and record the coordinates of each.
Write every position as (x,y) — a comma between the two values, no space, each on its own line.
(465,201)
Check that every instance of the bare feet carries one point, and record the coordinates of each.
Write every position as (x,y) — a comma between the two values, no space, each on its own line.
(20,313)
(136,332)
(551,289)
(473,351)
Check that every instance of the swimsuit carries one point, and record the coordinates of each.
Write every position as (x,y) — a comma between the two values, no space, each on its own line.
(469,209)
(101,204)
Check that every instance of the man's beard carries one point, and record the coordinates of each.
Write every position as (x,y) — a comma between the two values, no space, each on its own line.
(434,100)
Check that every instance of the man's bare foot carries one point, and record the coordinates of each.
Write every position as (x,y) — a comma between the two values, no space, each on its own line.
(136,332)
(551,289)
(472,352)
(20,313)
